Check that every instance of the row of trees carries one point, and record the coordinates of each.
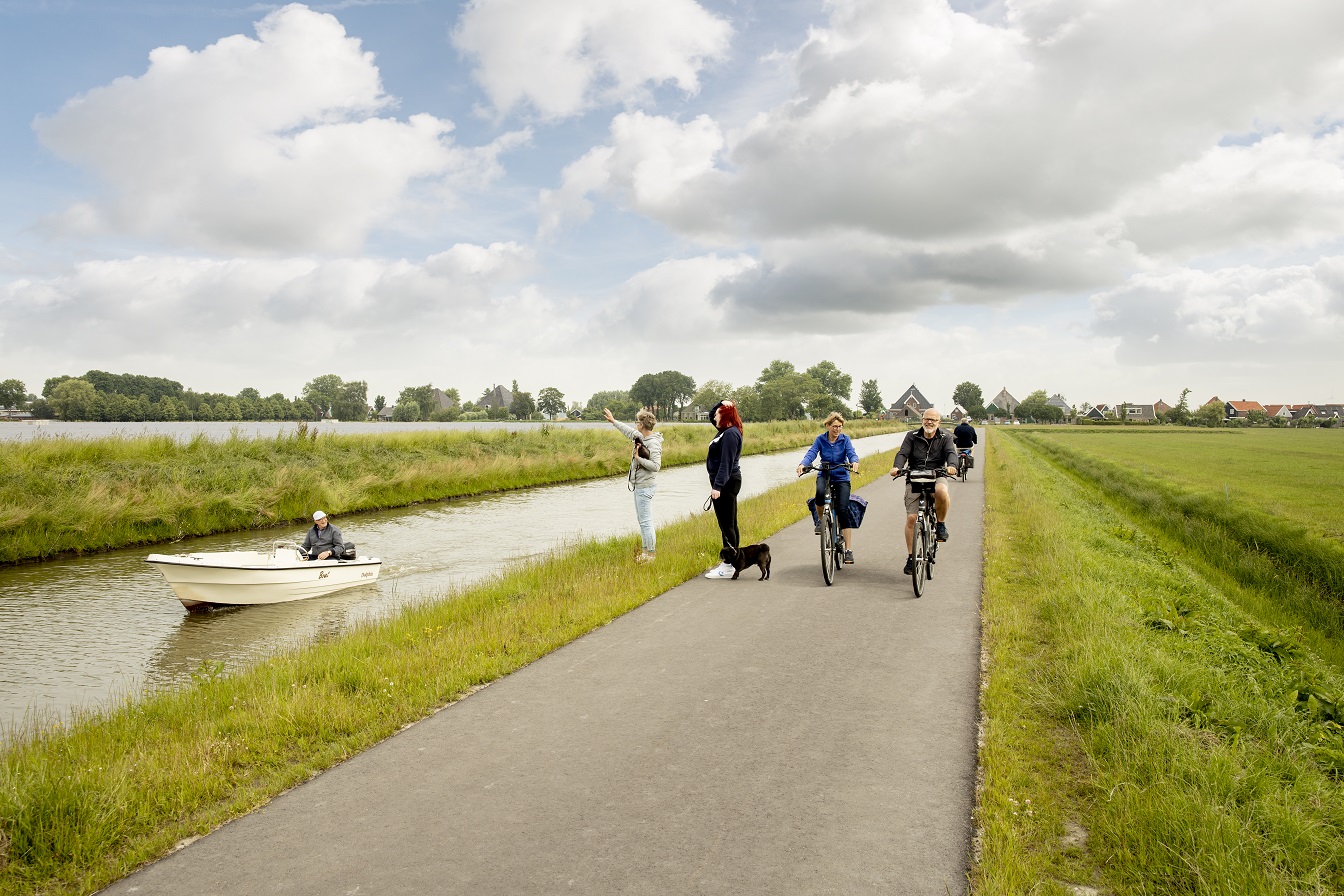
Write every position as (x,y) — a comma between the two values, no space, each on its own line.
(108,397)
(781,392)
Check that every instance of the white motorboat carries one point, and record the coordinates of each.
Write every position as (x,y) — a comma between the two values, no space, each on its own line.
(243,578)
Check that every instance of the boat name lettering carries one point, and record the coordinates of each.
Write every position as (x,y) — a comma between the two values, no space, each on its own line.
(323,574)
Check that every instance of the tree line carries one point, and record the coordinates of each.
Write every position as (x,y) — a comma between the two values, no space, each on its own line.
(781,392)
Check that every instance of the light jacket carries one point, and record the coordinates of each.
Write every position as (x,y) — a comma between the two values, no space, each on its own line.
(644,471)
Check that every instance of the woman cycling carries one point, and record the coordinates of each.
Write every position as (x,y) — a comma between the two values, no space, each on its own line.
(834,447)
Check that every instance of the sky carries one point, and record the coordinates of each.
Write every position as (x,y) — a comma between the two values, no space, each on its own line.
(1113,200)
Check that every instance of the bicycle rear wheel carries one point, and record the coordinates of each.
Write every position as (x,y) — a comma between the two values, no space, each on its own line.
(962,467)
(827,546)
(921,555)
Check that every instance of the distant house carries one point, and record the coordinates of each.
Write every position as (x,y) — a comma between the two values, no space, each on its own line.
(1298,411)
(957,414)
(1335,411)
(443,401)
(1214,400)
(1161,407)
(910,406)
(1235,410)
(498,397)
(14,414)
(1057,401)
(1139,413)
(1282,411)
(385,415)
(1098,412)
(1006,403)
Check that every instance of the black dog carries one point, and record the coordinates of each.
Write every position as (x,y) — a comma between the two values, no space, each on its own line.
(752,555)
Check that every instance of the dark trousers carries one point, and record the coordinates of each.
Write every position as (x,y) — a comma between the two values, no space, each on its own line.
(725,511)
(840,505)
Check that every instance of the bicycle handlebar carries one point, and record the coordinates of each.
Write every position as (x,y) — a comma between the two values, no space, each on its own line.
(825,467)
(939,472)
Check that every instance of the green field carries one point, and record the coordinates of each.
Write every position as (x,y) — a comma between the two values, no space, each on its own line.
(1163,710)
(1297,474)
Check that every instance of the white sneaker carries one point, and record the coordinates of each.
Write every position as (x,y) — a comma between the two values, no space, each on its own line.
(722,571)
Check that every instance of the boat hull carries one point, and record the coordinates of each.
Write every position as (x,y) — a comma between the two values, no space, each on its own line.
(249,578)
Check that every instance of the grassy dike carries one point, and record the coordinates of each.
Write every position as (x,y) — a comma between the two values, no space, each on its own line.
(62,495)
(83,805)
(1143,732)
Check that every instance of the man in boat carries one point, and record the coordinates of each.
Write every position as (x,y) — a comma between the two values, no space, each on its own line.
(323,541)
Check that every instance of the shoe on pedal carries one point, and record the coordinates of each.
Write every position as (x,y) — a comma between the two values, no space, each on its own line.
(909,565)
(816,530)
(942,531)
(849,556)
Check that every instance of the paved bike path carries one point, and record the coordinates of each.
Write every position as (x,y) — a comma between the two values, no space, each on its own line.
(726,738)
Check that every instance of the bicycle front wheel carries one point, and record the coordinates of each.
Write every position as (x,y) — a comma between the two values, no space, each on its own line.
(921,557)
(827,547)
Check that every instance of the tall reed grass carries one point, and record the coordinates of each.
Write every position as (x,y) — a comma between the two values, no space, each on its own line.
(1142,732)
(84,804)
(66,495)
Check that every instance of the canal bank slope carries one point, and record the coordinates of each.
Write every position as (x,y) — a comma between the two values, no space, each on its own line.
(725,737)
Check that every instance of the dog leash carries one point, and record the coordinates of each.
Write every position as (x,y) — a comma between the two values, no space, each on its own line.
(709,502)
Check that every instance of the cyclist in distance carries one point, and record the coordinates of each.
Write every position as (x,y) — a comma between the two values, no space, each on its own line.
(926,448)
(964,436)
(834,447)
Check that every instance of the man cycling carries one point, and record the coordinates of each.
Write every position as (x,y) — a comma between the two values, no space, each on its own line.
(925,448)
(964,437)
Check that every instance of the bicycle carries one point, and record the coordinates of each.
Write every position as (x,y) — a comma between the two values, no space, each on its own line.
(832,547)
(963,463)
(925,540)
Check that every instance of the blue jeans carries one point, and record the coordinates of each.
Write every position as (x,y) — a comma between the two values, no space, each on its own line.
(644,513)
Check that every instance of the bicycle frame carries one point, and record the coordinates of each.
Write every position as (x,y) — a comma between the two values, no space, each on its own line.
(832,548)
(924,547)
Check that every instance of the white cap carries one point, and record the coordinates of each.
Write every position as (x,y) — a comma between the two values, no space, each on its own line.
(318,515)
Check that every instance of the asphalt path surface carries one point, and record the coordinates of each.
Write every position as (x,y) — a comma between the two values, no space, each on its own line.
(728,737)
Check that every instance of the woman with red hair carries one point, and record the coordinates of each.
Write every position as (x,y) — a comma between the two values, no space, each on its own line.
(725,481)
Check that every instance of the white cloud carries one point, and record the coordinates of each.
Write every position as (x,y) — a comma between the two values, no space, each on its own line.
(1291,316)
(565,58)
(270,316)
(265,145)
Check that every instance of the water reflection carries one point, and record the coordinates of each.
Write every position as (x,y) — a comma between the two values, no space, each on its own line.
(77,632)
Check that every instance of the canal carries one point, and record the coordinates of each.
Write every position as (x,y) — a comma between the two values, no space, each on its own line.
(83,632)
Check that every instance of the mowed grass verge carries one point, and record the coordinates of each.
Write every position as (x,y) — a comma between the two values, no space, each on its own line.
(65,495)
(1143,732)
(83,805)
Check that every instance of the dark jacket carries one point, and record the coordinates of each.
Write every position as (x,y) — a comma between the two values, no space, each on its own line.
(328,539)
(964,436)
(926,454)
(721,461)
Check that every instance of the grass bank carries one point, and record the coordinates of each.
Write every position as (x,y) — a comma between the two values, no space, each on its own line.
(1143,731)
(64,495)
(83,805)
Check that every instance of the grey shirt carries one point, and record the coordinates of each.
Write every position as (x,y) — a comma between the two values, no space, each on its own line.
(644,471)
(328,539)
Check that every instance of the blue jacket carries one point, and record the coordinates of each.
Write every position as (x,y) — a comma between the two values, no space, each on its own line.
(840,452)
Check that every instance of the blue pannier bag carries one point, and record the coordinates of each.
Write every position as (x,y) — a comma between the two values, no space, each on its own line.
(858,506)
